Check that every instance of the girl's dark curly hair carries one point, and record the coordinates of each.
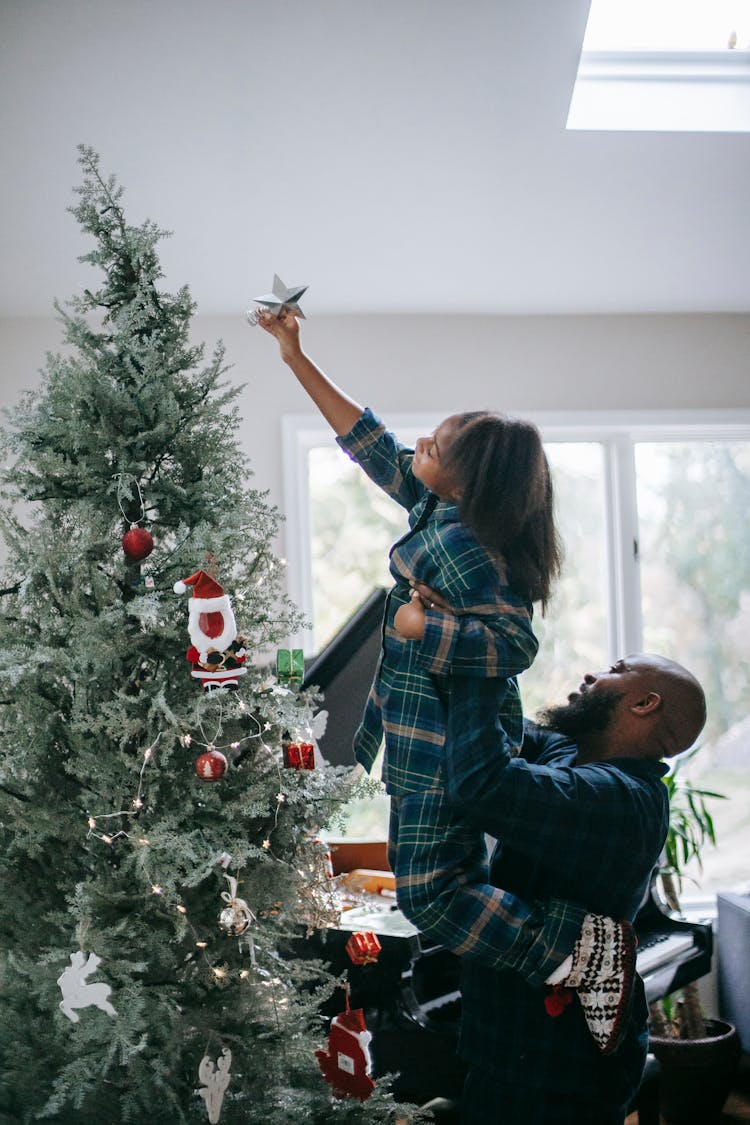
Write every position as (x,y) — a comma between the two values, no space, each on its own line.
(505,496)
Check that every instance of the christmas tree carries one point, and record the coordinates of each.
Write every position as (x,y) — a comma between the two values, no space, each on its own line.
(151,905)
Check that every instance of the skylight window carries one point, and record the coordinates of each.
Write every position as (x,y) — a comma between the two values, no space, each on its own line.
(665,25)
(666,65)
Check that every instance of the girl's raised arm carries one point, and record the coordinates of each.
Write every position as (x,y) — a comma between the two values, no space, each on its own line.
(340,411)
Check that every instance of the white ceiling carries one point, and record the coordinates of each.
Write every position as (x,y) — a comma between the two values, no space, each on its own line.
(394,155)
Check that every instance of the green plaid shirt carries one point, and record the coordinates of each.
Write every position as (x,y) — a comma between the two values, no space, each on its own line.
(489,634)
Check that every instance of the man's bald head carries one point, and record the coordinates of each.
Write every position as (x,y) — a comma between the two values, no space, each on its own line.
(644,706)
(682,714)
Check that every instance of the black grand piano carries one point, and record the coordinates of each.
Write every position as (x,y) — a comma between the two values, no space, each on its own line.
(411,995)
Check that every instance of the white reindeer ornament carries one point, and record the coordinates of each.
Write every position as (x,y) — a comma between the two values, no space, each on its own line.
(215,1078)
(77,993)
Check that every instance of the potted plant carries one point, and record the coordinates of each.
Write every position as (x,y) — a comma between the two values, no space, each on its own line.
(698,1056)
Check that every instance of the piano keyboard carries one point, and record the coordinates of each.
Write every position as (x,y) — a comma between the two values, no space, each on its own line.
(658,949)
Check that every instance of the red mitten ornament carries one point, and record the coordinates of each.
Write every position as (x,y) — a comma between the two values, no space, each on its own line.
(137,543)
(346,1064)
(556,1001)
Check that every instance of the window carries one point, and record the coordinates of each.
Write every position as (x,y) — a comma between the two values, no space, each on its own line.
(352,526)
(667,25)
(653,513)
(695,575)
(573,635)
(665,65)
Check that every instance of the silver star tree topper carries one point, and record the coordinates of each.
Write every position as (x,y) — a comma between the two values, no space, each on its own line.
(279,298)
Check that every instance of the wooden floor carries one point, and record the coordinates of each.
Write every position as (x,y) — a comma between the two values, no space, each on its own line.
(737,1108)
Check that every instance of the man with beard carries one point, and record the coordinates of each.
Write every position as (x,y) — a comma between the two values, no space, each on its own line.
(581,815)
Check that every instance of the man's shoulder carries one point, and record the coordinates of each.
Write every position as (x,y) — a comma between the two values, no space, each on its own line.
(547,746)
(550,747)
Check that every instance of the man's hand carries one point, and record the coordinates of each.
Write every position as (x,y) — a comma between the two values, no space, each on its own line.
(409,619)
(285,327)
(430,598)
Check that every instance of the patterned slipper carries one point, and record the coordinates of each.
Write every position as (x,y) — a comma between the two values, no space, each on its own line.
(603,975)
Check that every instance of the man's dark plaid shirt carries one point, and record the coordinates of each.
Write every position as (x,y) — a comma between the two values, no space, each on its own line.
(591,834)
(488,634)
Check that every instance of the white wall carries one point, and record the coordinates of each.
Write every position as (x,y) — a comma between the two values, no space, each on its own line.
(405,364)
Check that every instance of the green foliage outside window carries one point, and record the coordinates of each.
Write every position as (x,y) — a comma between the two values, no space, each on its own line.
(693,500)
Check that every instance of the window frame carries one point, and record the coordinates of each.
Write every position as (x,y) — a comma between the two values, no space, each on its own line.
(618,432)
(674,91)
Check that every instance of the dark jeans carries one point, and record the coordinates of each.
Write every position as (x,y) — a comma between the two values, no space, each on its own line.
(488,1102)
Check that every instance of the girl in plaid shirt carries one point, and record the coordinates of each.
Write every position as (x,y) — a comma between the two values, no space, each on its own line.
(479,496)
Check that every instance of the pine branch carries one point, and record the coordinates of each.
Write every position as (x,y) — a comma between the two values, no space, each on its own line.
(11,793)
(134,397)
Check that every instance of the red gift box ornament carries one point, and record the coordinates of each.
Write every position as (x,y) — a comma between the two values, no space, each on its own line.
(299,755)
(363,947)
(346,1064)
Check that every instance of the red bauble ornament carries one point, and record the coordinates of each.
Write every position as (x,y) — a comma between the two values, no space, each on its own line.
(211,766)
(137,543)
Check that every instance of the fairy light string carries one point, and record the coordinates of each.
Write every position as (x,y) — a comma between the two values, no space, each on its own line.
(205,945)
(186,740)
(202,942)
(171,901)
(135,805)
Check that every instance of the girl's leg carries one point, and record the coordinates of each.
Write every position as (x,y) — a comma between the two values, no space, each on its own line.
(441,886)
(441,874)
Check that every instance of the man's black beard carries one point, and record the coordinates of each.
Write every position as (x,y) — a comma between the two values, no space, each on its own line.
(591,712)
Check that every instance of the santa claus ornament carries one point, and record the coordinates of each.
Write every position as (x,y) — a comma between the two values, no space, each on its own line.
(346,1063)
(217,654)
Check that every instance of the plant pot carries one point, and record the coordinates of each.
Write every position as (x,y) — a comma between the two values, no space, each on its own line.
(697,1074)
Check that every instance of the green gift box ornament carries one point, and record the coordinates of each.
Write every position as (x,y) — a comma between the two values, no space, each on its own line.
(290,666)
